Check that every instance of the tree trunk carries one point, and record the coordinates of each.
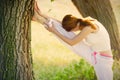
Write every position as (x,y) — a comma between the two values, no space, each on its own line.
(15,37)
(102,11)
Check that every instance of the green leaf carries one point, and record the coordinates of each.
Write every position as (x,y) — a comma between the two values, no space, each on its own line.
(52,0)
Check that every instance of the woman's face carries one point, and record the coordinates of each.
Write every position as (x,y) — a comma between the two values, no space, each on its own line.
(76,28)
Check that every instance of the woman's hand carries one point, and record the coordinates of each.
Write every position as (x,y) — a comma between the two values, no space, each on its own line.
(50,27)
(88,18)
(36,8)
(36,11)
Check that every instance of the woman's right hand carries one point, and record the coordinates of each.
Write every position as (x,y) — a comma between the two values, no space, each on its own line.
(36,8)
(36,12)
(88,19)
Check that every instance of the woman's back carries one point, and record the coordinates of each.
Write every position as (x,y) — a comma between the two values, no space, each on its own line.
(99,40)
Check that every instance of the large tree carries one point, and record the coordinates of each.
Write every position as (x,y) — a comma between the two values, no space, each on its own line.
(15,37)
(101,10)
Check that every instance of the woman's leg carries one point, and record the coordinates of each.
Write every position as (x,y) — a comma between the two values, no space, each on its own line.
(83,50)
(103,67)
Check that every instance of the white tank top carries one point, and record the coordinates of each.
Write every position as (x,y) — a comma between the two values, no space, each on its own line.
(99,40)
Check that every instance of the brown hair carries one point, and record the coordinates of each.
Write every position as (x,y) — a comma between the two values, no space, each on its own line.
(69,22)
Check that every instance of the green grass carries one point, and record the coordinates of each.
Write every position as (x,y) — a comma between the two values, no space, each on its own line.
(46,72)
(75,71)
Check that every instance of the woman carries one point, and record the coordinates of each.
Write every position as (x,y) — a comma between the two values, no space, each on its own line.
(96,36)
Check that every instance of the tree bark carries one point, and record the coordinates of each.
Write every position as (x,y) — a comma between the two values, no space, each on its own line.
(15,37)
(103,12)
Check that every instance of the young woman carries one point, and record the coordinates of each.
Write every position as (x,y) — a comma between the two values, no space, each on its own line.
(98,49)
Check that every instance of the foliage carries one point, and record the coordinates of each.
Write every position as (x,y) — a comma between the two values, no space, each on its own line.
(77,71)
(116,69)
(46,72)
(52,0)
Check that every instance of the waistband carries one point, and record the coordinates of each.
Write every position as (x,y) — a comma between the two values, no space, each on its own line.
(104,55)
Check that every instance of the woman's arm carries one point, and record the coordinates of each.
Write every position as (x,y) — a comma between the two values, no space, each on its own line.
(83,34)
(38,12)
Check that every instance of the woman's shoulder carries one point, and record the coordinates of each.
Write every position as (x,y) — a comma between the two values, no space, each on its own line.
(89,18)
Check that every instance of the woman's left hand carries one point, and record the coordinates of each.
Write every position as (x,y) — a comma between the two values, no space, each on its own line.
(50,27)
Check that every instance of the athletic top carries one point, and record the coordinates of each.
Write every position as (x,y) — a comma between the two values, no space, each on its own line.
(99,40)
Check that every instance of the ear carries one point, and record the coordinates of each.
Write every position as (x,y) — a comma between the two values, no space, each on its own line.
(78,24)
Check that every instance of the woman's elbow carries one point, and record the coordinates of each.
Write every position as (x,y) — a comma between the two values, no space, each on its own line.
(72,44)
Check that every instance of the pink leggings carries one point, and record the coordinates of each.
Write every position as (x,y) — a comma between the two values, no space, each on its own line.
(103,66)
